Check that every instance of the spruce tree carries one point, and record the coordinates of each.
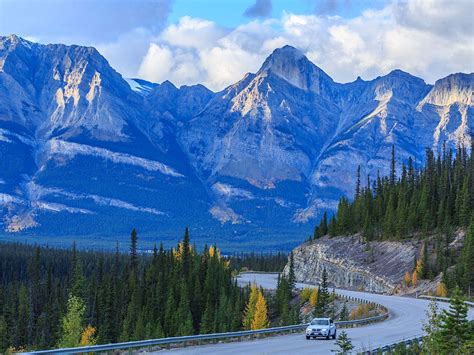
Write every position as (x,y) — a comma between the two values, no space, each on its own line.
(344,312)
(322,303)
(323,227)
(454,330)
(467,259)
(4,336)
(133,250)
(344,343)
(291,273)
(186,254)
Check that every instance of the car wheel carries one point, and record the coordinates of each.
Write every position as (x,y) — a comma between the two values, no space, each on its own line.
(328,336)
(308,337)
(334,335)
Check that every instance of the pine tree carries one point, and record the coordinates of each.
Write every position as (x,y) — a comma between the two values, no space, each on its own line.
(78,281)
(322,303)
(323,226)
(186,254)
(291,273)
(23,318)
(467,259)
(133,250)
(260,318)
(454,328)
(392,167)
(344,313)
(357,190)
(183,314)
(344,343)
(4,336)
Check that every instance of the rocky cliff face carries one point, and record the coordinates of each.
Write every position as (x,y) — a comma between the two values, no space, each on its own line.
(374,266)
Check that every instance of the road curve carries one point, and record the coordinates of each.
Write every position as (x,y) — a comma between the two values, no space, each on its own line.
(406,319)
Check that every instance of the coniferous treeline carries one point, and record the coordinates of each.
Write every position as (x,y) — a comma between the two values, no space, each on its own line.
(439,195)
(51,297)
(416,203)
(259,261)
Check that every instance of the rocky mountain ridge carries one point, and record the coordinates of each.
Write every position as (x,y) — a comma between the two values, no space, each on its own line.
(263,157)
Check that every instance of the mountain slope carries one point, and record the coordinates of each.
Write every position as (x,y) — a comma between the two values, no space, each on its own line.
(77,131)
(264,157)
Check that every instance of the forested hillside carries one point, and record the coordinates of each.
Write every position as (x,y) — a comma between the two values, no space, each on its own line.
(431,203)
(51,297)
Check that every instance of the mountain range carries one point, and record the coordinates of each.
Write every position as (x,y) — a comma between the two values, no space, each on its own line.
(86,154)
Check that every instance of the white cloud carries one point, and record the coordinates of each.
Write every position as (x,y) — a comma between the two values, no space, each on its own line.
(193,33)
(430,39)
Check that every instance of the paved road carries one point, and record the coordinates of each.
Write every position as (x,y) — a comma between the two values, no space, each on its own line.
(406,318)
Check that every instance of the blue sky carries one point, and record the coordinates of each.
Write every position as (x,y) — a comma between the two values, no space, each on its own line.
(215,42)
(231,13)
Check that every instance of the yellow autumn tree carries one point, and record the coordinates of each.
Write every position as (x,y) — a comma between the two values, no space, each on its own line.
(305,294)
(414,278)
(260,318)
(87,336)
(249,311)
(407,279)
(214,250)
(441,290)
(419,266)
(314,297)
(178,253)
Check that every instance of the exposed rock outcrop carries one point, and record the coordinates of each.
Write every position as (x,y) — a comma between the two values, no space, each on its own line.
(351,264)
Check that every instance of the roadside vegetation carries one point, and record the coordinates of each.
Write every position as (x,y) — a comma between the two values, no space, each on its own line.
(448,332)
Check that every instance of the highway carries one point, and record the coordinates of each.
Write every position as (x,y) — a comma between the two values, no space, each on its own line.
(406,319)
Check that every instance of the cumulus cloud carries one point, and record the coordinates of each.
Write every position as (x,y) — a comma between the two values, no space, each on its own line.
(413,36)
(261,8)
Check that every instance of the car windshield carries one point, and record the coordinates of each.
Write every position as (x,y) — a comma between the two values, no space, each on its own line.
(319,322)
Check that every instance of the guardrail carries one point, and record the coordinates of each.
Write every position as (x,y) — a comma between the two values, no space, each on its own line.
(386,348)
(198,338)
(444,299)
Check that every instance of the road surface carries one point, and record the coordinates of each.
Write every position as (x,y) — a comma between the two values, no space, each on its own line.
(406,320)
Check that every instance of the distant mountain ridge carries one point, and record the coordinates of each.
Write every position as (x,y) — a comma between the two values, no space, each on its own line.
(261,158)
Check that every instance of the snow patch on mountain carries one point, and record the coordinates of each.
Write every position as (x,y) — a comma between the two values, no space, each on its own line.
(225,214)
(140,86)
(58,207)
(36,191)
(6,199)
(229,191)
(7,136)
(69,149)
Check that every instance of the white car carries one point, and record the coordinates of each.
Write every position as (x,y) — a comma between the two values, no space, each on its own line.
(321,327)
